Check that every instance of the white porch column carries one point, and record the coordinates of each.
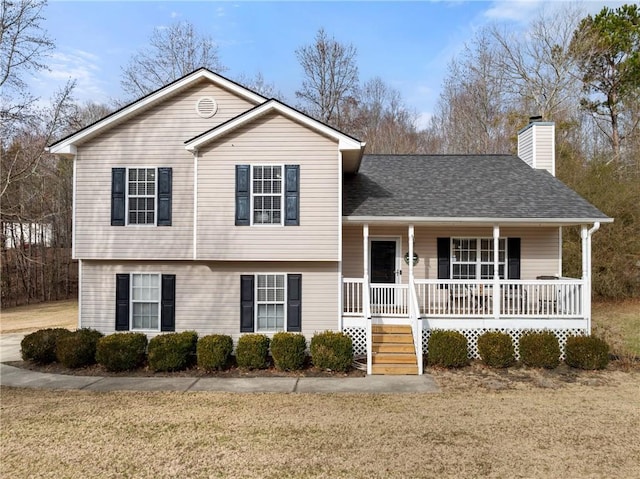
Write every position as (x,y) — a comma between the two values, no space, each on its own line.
(411,236)
(585,255)
(496,271)
(365,249)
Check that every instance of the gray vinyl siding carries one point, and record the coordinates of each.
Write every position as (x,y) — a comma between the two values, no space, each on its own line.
(153,138)
(536,146)
(539,248)
(208,294)
(270,140)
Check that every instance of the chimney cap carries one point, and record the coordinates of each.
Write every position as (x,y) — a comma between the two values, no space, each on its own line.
(533,119)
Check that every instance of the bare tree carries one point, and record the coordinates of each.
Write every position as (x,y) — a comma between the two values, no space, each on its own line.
(173,52)
(258,84)
(330,77)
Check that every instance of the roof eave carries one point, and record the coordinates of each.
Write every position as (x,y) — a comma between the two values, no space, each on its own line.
(468,221)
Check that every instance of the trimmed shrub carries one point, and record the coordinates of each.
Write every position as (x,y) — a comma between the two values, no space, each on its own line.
(288,351)
(448,349)
(40,346)
(540,350)
(121,351)
(252,351)
(586,352)
(213,351)
(78,349)
(172,351)
(496,349)
(332,350)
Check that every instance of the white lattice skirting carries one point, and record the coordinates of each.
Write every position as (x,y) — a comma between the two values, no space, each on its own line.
(359,338)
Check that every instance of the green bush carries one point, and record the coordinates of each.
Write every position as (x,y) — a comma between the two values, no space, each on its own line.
(586,352)
(252,351)
(448,349)
(78,349)
(540,350)
(288,351)
(172,351)
(40,346)
(122,351)
(496,349)
(331,350)
(213,351)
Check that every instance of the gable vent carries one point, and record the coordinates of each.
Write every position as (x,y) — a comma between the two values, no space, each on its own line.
(206,107)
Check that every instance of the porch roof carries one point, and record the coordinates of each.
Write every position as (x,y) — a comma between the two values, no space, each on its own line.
(461,187)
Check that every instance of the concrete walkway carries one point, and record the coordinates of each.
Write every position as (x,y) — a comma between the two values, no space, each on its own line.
(17,377)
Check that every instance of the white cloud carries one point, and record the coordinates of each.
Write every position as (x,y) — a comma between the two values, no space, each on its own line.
(78,65)
(175,14)
(514,10)
(220,12)
(424,117)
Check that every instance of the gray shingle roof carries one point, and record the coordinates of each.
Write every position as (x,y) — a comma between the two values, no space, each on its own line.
(460,186)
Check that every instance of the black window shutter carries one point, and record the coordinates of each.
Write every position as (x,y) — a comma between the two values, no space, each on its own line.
(294,303)
(243,199)
(292,195)
(444,258)
(118,185)
(513,250)
(246,303)
(164,196)
(168,303)
(122,302)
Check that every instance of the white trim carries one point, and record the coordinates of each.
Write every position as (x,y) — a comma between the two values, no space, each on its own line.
(68,145)
(195,204)
(79,294)
(340,287)
(478,263)
(560,259)
(159,302)
(480,221)
(73,208)
(344,142)
(398,265)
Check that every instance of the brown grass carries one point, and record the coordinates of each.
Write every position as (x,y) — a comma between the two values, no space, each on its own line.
(619,325)
(57,314)
(572,431)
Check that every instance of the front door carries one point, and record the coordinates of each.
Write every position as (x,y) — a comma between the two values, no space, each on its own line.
(383,261)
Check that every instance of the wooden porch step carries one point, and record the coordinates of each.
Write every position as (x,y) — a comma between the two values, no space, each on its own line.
(393,348)
(393,338)
(397,369)
(391,328)
(394,358)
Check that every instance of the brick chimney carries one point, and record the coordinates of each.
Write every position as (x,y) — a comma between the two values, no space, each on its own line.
(537,144)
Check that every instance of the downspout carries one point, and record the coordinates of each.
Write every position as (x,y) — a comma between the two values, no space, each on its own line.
(596,227)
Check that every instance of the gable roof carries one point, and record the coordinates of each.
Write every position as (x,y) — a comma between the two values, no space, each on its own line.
(461,188)
(351,147)
(67,145)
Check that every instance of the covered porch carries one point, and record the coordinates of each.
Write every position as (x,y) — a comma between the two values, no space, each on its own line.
(463,277)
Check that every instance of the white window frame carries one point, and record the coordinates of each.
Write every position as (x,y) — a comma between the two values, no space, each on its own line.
(257,303)
(158,301)
(155,197)
(281,195)
(478,261)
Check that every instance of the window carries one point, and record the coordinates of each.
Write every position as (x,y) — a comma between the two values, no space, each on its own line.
(267,195)
(270,302)
(472,258)
(141,189)
(145,301)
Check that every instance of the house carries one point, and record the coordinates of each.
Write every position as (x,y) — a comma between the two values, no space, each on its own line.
(204,206)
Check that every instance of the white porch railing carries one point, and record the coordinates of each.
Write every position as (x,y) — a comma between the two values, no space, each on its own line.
(560,298)
(352,296)
(389,299)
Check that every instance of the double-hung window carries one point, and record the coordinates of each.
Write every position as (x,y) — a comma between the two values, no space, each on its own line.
(270,302)
(266,182)
(141,196)
(145,302)
(473,258)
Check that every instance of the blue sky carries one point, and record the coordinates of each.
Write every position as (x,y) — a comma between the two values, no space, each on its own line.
(408,44)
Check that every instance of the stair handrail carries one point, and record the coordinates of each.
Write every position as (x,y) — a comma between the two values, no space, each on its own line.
(416,325)
(366,309)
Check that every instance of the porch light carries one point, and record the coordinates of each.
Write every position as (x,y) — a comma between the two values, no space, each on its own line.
(416,258)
